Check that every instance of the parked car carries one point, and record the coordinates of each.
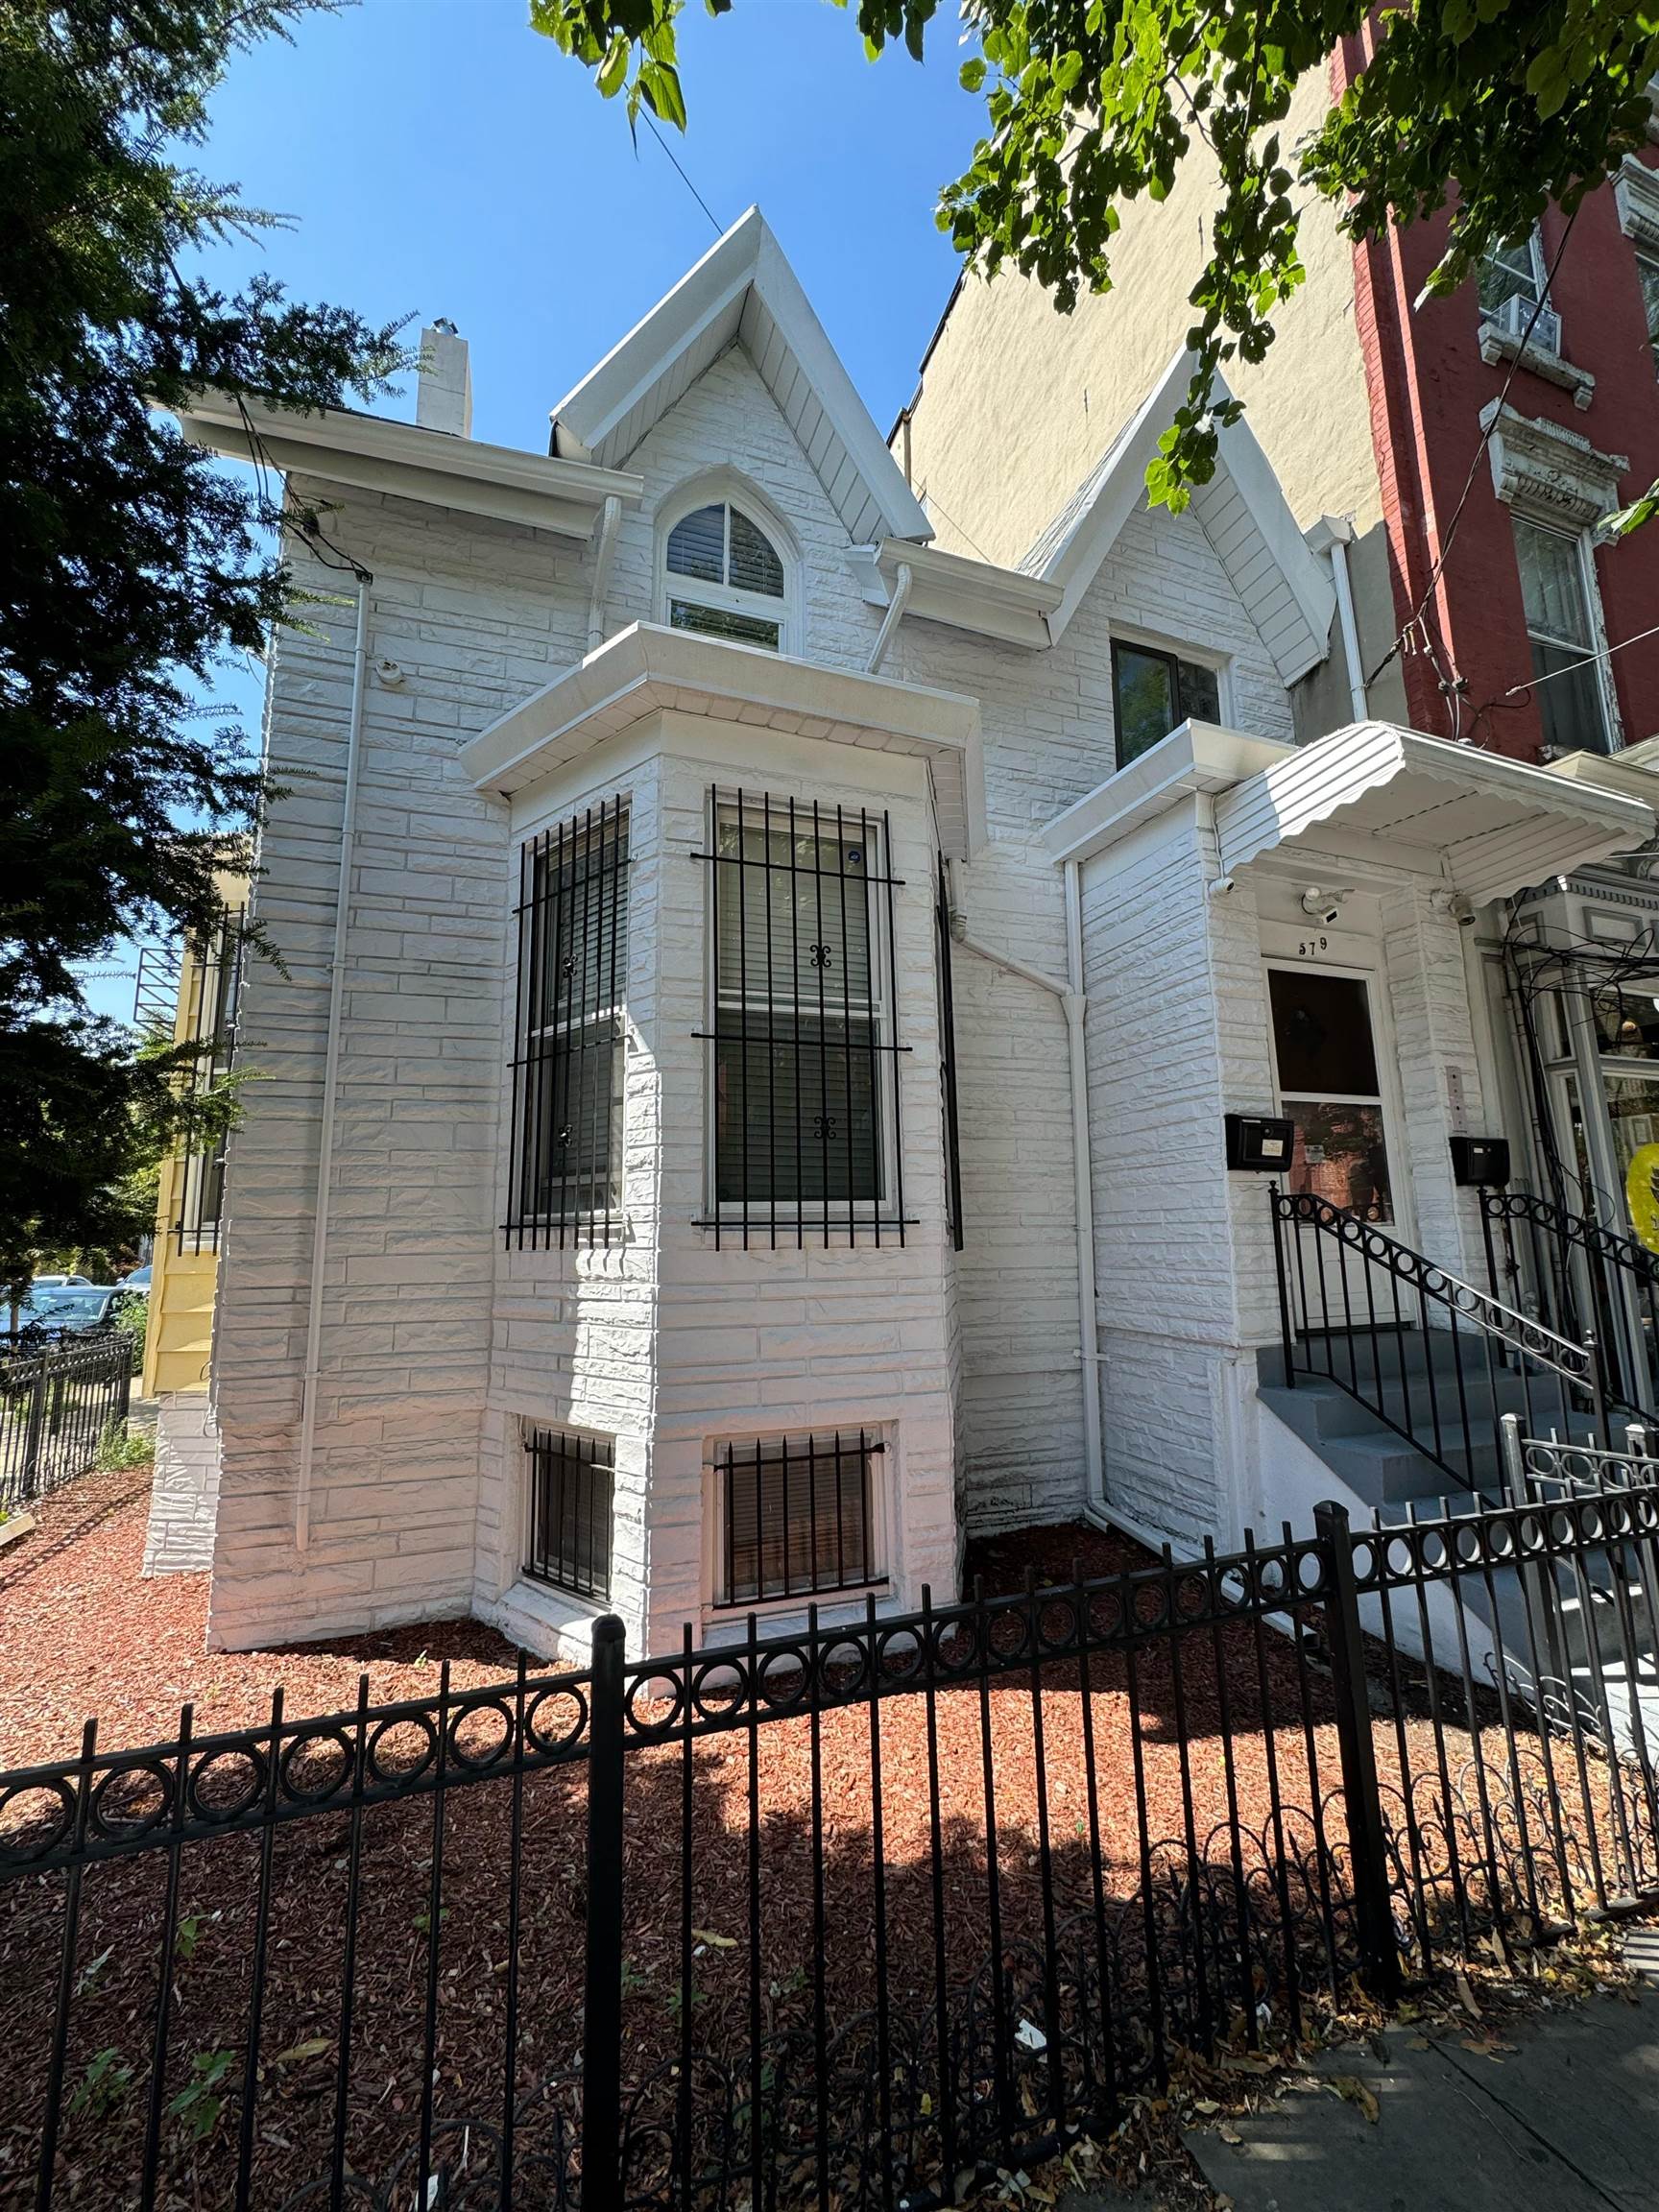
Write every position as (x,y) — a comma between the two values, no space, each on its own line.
(138,1282)
(61,1282)
(54,1311)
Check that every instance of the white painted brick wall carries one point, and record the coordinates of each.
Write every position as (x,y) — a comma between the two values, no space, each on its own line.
(185,1492)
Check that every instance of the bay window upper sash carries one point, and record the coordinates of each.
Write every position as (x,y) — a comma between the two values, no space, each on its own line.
(647,668)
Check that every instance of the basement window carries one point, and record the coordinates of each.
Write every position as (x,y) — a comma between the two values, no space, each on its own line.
(570,1499)
(724,577)
(797,1516)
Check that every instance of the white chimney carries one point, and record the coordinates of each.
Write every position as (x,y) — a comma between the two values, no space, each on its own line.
(443,387)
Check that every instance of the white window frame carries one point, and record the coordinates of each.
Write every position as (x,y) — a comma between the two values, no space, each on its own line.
(807,1212)
(723,489)
(1589,585)
(1173,649)
(1540,276)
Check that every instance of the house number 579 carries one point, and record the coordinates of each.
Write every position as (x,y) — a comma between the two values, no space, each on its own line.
(1313,945)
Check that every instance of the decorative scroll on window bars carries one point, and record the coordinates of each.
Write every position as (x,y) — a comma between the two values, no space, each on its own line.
(565,1145)
(212,970)
(797,1516)
(570,1485)
(803,1046)
(948,1065)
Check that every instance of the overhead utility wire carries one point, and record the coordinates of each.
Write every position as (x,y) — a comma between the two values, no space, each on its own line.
(719,228)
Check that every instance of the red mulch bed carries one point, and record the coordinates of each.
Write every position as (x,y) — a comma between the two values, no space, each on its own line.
(82,1632)
(88,1633)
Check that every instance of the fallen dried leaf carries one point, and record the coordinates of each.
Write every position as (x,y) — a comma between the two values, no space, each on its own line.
(1355,2092)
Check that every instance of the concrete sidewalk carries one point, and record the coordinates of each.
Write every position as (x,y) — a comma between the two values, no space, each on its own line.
(1567,2123)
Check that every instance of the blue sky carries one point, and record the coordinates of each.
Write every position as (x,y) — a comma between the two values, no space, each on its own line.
(437,157)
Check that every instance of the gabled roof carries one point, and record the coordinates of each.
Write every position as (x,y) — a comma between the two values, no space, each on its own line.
(1286,588)
(743,292)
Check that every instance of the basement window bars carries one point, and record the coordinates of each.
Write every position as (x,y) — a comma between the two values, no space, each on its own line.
(797,1516)
(205,1018)
(566,1146)
(571,1479)
(803,1057)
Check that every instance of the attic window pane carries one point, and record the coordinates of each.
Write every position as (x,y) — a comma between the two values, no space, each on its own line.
(754,565)
(697,545)
(723,622)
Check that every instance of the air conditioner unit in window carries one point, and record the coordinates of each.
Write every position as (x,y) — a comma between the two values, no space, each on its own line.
(1515,316)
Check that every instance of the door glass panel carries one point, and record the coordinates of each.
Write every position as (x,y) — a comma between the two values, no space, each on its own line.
(1633,1108)
(1322,1035)
(1340,1155)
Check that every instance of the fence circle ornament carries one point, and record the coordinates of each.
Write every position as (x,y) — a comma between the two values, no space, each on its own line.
(227,1782)
(133,1800)
(36,1818)
(657,1700)
(391,1759)
(329,1746)
(481,1733)
(567,1702)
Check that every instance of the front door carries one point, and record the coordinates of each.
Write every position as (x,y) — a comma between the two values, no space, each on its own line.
(1330,1085)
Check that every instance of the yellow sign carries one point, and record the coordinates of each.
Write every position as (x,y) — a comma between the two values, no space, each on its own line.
(1641,1193)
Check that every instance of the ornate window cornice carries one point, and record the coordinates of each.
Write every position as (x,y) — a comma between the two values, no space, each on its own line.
(1544,471)
(1636,194)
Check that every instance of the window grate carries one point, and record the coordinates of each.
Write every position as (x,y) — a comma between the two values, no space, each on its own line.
(803,1045)
(797,1516)
(213,970)
(571,1479)
(566,1144)
(948,1065)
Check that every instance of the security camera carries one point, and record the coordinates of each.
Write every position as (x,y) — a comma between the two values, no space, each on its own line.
(1322,907)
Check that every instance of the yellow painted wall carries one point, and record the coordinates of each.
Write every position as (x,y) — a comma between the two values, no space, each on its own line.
(183,1285)
(1018,402)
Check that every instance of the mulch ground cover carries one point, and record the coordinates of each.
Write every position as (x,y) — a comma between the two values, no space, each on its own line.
(1221,1765)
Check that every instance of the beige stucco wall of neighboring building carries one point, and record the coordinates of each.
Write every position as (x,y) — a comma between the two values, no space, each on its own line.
(1017,401)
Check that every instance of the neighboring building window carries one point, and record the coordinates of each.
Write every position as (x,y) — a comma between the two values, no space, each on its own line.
(1512,272)
(1556,593)
(725,577)
(1153,693)
(205,1019)
(803,1106)
(570,1483)
(567,1138)
(1647,270)
(797,1516)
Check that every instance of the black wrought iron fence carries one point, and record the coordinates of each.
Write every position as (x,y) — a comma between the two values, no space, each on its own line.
(1581,1279)
(826,1917)
(55,1408)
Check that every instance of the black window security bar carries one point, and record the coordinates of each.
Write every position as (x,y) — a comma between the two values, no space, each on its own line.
(797,1516)
(565,1145)
(570,1483)
(804,1037)
(213,987)
(948,1065)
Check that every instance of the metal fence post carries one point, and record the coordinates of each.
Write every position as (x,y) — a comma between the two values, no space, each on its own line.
(602,2009)
(1367,1844)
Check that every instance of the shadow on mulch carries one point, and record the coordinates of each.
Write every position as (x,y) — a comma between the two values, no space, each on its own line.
(69,1516)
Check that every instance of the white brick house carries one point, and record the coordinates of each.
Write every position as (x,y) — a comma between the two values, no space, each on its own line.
(587,1244)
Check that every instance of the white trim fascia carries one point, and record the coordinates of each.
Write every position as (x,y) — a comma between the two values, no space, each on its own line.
(376,454)
(636,378)
(1195,757)
(950,588)
(1076,560)
(1311,788)
(647,668)
(1633,772)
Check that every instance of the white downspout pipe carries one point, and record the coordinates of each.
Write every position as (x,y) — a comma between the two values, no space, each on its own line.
(891,620)
(1341,531)
(604,547)
(1076,1008)
(330,1078)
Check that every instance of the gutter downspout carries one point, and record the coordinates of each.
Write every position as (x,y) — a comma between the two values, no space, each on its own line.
(330,1077)
(891,620)
(604,546)
(1341,531)
(1074,1006)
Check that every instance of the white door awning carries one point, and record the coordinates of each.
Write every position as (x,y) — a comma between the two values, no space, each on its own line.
(1484,824)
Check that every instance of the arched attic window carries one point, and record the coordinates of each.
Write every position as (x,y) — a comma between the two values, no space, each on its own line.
(724,577)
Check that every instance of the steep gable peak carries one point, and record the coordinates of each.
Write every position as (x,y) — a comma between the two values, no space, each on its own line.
(743,292)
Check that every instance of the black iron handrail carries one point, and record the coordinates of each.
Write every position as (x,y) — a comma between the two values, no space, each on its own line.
(1585,1278)
(1368,1315)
